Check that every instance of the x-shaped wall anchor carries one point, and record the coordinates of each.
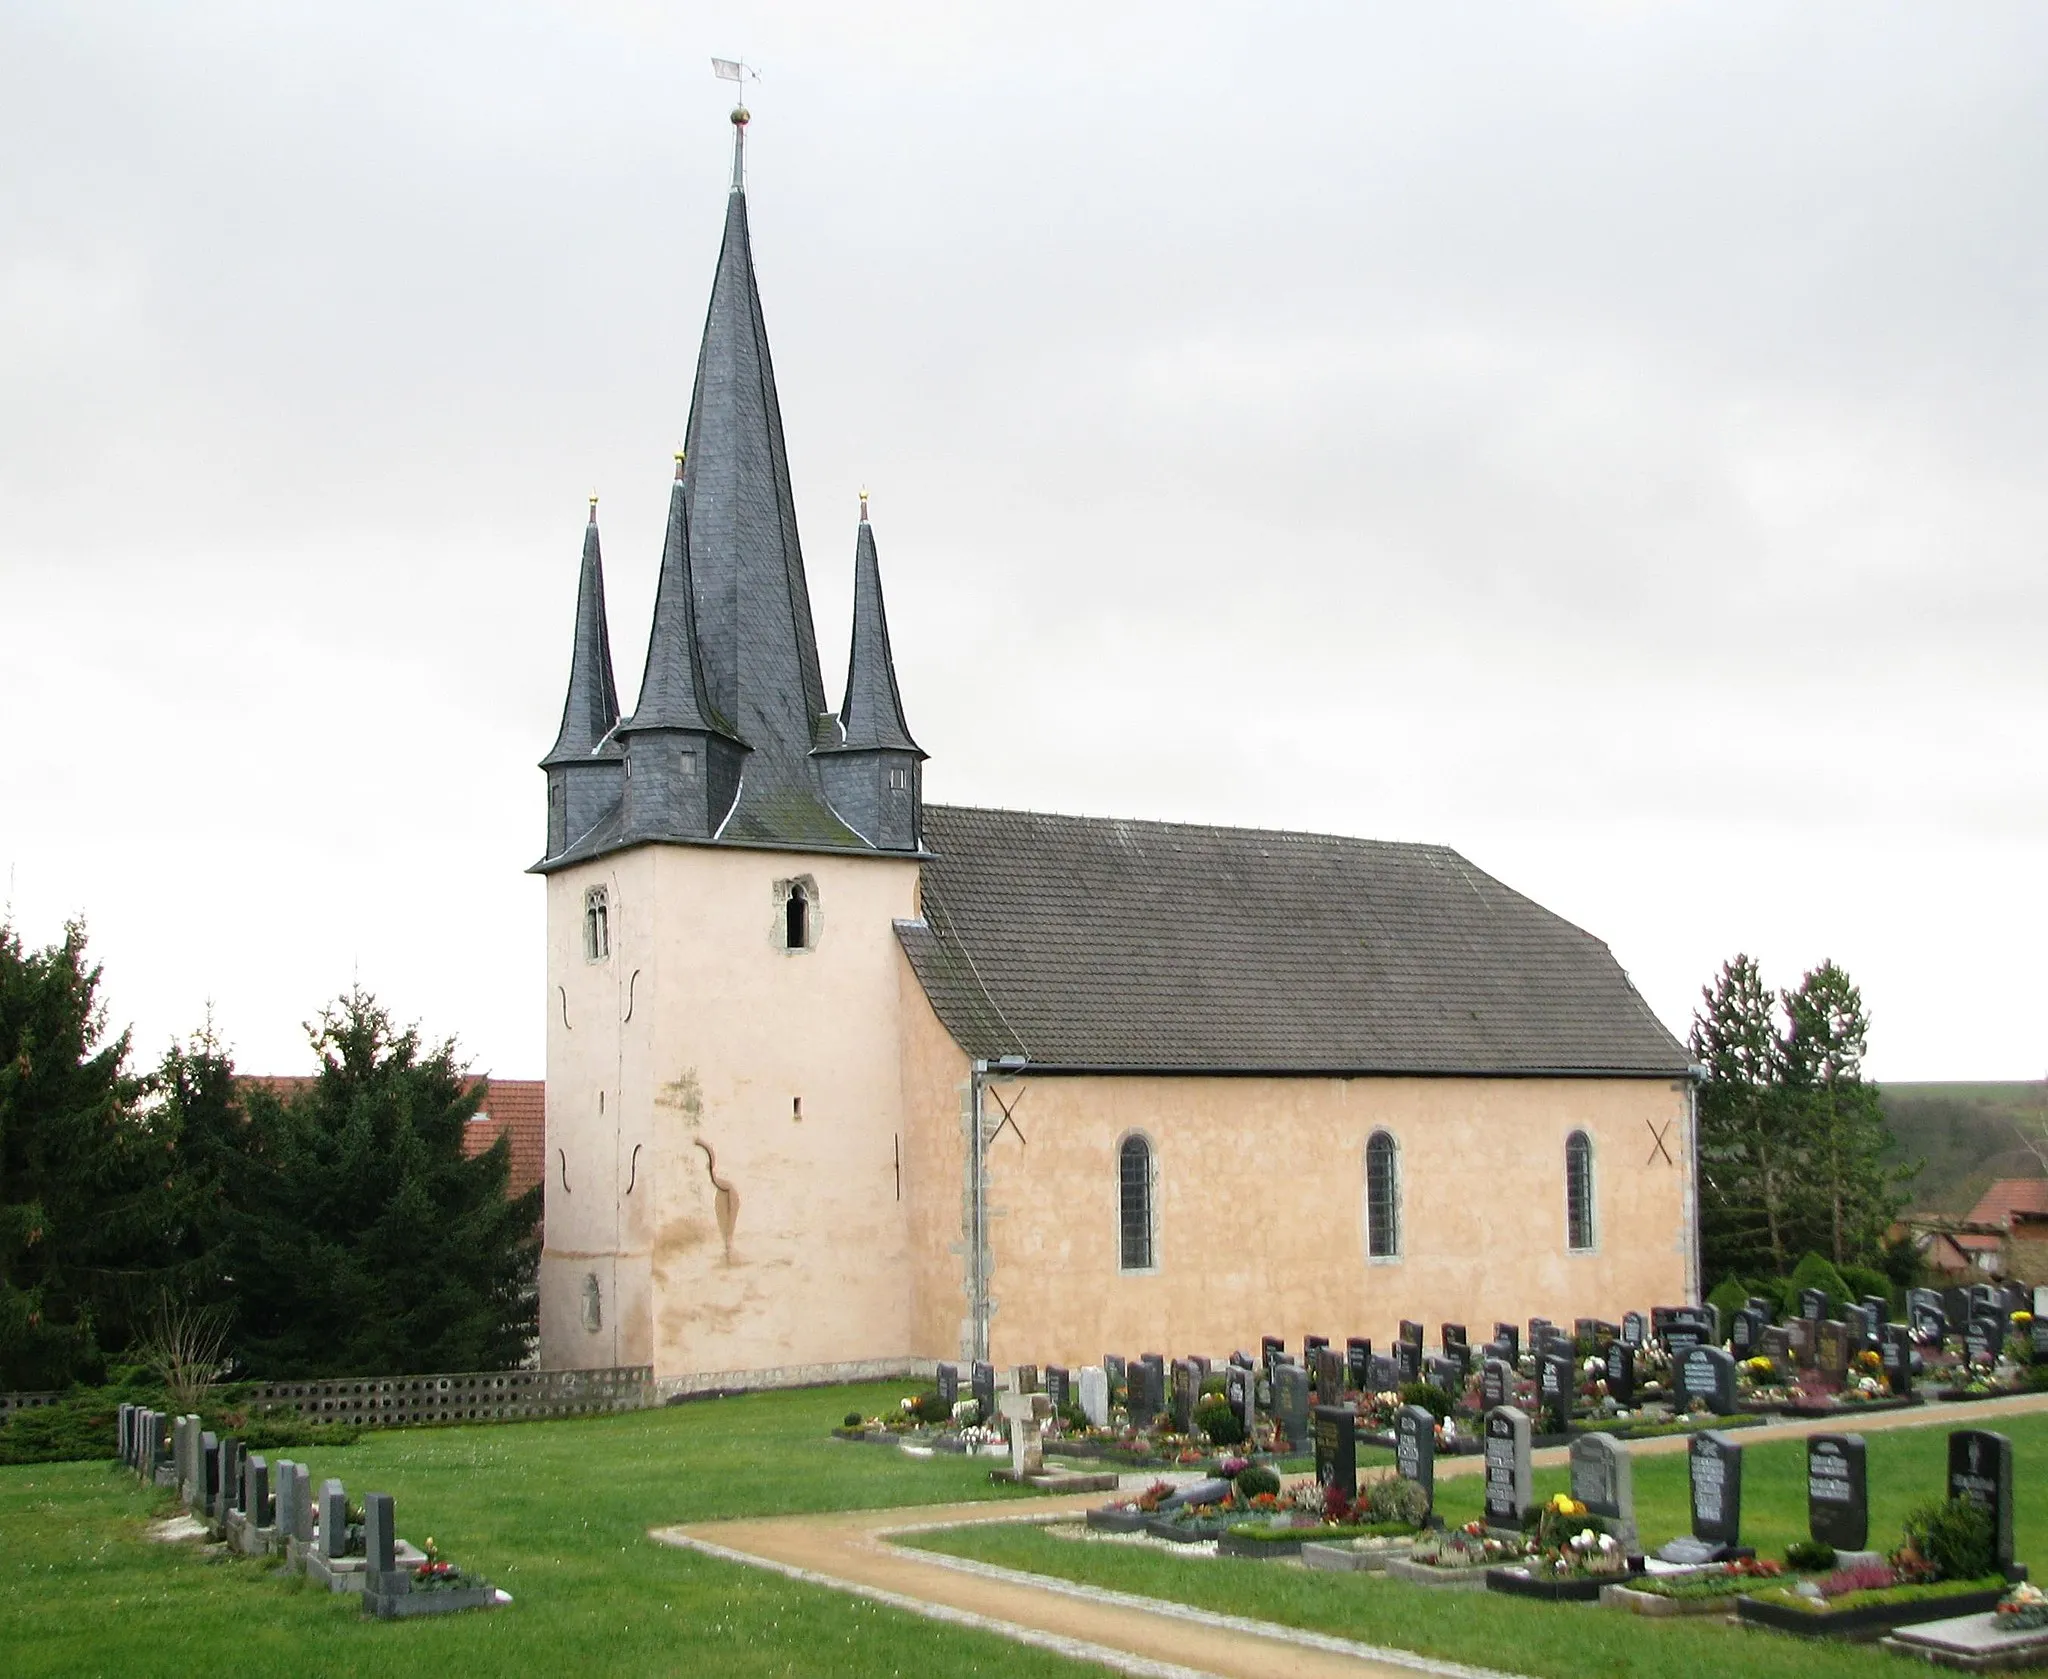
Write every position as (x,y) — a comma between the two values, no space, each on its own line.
(1009,1112)
(1657,1135)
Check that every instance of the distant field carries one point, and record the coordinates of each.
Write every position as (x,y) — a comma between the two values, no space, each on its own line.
(1964,1132)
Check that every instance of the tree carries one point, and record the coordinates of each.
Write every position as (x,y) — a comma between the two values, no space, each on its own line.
(75,1162)
(1747,1157)
(363,1240)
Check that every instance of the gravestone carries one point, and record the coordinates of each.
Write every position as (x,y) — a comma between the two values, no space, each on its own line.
(124,1433)
(1327,1372)
(1201,1365)
(982,1375)
(1026,1413)
(947,1379)
(1955,1306)
(1446,1375)
(1411,1332)
(1837,1495)
(1745,1333)
(1555,1383)
(1116,1370)
(1896,1351)
(1930,1322)
(1983,1341)
(1309,1346)
(1714,1465)
(1682,1336)
(1621,1372)
(1509,1481)
(333,1520)
(1336,1442)
(295,1505)
(1802,1331)
(1357,1362)
(1586,1333)
(1147,1392)
(256,1491)
(2039,1332)
(1456,1345)
(1496,1383)
(1243,1360)
(1059,1388)
(1185,1386)
(1271,1350)
(2040,1301)
(1290,1404)
(230,1488)
(209,1471)
(1407,1362)
(1602,1481)
(1831,1352)
(1240,1387)
(1024,1379)
(1813,1304)
(1708,1373)
(1980,1469)
(1633,1328)
(1776,1344)
(1092,1395)
(1384,1375)
(1920,1300)
(1509,1336)
(1415,1449)
(1554,1340)
(380,1534)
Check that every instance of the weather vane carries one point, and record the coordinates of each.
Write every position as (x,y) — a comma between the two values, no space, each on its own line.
(737,70)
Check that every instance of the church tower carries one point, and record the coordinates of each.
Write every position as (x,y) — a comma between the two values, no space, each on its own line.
(724,870)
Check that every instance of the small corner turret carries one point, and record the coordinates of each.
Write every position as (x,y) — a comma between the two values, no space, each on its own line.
(584,767)
(874,774)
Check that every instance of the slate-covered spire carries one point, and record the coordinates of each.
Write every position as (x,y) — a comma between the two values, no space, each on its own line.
(592,706)
(672,690)
(754,628)
(872,715)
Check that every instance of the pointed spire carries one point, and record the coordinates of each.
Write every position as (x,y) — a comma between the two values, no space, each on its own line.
(873,713)
(592,706)
(672,689)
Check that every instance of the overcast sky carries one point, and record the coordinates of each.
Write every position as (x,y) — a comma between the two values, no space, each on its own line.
(1607,440)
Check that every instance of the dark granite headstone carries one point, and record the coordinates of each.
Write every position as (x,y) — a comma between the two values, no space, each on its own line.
(1411,1332)
(982,1376)
(1272,1348)
(1408,1361)
(1716,1471)
(1336,1443)
(1633,1328)
(1745,1333)
(1556,1385)
(209,1470)
(2039,1332)
(1537,1328)
(1813,1304)
(1708,1373)
(1955,1306)
(1803,1332)
(1447,1375)
(1357,1362)
(1621,1372)
(333,1520)
(1027,1378)
(1831,1352)
(1496,1383)
(1415,1448)
(1896,1350)
(1147,1389)
(1059,1387)
(1290,1404)
(1509,1336)
(948,1380)
(1980,1469)
(256,1503)
(1682,1336)
(1456,1345)
(1776,1344)
(1837,1498)
(1309,1346)
(1186,1386)
(380,1534)
(1326,1373)
(1984,1340)
(1509,1484)
(1243,1360)
(1241,1387)
(1385,1374)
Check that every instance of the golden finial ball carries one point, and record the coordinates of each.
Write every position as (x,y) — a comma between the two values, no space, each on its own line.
(741,116)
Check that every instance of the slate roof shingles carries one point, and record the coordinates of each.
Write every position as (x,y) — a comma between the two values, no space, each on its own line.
(1117,944)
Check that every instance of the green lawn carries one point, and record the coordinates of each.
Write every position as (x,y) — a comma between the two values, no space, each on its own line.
(1562,1641)
(556,1513)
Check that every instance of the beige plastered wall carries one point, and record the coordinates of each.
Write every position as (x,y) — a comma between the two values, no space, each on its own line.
(701,1028)
(1259,1206)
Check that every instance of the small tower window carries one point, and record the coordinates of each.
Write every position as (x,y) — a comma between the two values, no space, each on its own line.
(1134,1204)
(1383,1196)
(687,768)
(796,918)
(899,779)
(1578,1192)
(597,925)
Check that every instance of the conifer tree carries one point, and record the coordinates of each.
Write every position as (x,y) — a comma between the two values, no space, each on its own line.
(364,1241)
(1748,1157)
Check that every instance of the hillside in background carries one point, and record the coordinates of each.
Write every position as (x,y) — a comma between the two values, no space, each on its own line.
(1964,1132)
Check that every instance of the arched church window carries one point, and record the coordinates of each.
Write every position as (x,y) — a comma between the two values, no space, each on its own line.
(597,924)
(1578,1192)
(1134,1204)
(796,918)
(1383,1196)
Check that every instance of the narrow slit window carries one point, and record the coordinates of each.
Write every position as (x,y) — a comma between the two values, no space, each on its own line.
(1383,1196)
(899,779)
(1134,1204)
(597,925)
(796,918)
(1578,1192)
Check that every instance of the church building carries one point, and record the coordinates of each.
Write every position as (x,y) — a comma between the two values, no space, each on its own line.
(838,1080)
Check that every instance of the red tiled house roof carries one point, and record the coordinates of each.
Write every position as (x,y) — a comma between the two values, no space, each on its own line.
(2007,1197)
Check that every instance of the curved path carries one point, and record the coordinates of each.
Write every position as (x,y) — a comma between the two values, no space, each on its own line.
(852,1551)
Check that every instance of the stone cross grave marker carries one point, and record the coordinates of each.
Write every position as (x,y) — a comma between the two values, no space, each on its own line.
(1509,1335)
(1509,1482)
(1357,1362)
(1621,1372)
(333,1520)
(1240,1389)
(1837,1493)
(1633,1328)
(1496,1383)
(1026,1414)
(1556,1380)
(1896,1350)
(1290,1404)
(1603,1482)
(983,1377)
(380,1534)
(1336,1443)
(1980,1469)
(1093,1396)
(1059,1388)
(1415,1449)
(1185,1386)
(1708,1373)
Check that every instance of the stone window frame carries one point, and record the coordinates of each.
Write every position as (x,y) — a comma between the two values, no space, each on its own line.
(1581,1192)
(1396,1245)
(814,920)
(597,924)
(1150,1267)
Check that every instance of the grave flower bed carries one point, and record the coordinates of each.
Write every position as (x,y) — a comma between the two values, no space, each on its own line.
(2023,1609)
(1570,1556)
(1279,1524)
